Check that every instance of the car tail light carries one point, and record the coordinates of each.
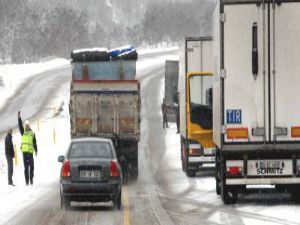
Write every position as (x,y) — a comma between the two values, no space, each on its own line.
(114,171)
(66,170)
(234,170)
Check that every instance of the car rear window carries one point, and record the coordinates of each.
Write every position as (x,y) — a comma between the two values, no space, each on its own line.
(90,150)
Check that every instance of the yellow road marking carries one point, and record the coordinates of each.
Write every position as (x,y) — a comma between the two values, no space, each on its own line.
(127,218)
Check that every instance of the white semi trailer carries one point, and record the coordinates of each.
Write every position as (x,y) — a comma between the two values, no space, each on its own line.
(256,105)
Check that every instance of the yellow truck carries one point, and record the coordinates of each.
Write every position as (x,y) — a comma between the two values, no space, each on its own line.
(195,106)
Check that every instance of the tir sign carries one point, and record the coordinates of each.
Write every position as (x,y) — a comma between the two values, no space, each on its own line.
(234,116)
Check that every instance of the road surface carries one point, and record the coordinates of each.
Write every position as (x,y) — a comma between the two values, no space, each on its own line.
(162,194)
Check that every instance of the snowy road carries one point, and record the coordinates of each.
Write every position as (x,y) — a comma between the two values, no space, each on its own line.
(34,97)
(162,194)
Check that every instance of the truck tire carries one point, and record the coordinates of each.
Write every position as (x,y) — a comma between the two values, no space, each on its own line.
(296,196)
(182,159)
(191,173)
(228,196)
(218,186)
(135,168)
(185,160)
(135,162)
(217,172)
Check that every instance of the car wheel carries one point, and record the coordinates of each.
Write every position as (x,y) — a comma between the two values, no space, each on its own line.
(64,203)
(118,201)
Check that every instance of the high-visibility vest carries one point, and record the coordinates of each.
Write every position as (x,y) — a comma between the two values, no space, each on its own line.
(27,142)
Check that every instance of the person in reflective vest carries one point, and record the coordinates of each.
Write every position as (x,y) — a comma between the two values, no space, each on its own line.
(28,147)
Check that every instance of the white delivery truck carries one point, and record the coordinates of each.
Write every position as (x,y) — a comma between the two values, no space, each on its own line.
(195,105)
(256,106)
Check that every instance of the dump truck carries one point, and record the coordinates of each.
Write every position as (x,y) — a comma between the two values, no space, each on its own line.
(195,106)
(256,117)
(105,102)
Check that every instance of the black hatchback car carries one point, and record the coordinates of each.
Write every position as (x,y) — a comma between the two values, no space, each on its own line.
(90,172)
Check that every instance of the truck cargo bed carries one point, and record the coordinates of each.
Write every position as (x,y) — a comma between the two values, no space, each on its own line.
(105,108)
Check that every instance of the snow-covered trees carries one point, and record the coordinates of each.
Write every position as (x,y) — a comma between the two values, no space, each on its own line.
(172,21)
(34,29)
(28,34)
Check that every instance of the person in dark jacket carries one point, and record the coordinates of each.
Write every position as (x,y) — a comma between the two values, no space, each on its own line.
(177,115)
(164,107)
(28,147)
(10,154)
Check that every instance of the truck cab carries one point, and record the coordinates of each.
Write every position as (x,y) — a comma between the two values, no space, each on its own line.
(195,106)
(197,147)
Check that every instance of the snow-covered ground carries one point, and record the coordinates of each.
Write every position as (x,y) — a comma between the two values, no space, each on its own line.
(13,76)
(156,50)
(199,198)
(47,168)
(252,209)
(53,136)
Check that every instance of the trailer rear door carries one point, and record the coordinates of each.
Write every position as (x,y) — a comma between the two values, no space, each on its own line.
(245,102)
(285,63)
(261,71)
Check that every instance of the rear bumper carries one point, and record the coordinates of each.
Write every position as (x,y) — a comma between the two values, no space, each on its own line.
(252,173)
(286,147)
(91,191)
(197,162)
(201,159)
(263,181)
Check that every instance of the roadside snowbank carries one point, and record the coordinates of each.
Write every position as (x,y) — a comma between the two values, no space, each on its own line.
(53,136)
(156,50)
(12,76)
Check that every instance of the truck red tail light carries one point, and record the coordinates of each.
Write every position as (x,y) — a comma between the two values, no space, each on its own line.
(66,169)
(114,171)
(234,170)
(195,151)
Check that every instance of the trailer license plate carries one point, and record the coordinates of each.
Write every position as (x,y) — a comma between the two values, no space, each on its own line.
(270,167)
(89,173)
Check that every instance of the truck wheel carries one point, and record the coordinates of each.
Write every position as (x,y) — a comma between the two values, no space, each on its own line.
(218,188)
(217,172)
(296,196)
(227,196)
(182,160)
(191,173)
(183,157)
(135,169)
